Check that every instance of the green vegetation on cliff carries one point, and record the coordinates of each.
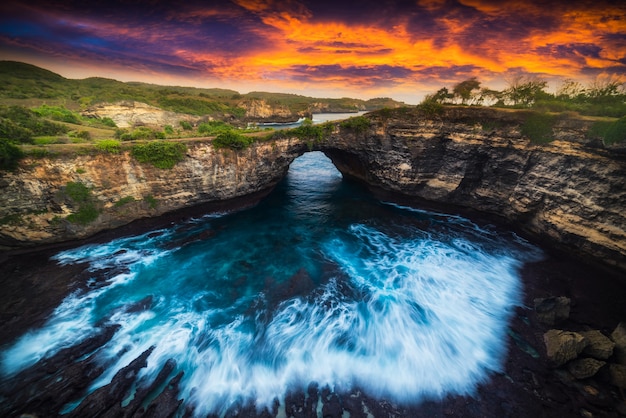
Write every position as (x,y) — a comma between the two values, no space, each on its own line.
(161,154)
(10,155)
(306,132)
(610,132)
(601,97)
(214,127)
(232,140)
(140,133)
(57,113)
(538,127)
(109,146)
(81,195)
(124,201)
(19,124)
(359,124)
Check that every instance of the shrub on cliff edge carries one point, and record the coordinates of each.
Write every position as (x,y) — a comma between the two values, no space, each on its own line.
(10,155)
(616,132)
(214,127)
(358,124)
(111,146)
(306,132)
(232,140)
(538,127)
(161,154)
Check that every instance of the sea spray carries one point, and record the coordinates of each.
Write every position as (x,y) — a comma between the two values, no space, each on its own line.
(319,283)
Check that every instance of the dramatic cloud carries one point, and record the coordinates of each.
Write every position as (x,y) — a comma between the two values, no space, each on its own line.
(398,48)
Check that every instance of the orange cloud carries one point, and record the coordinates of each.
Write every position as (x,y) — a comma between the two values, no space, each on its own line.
(301,40)
(376,47)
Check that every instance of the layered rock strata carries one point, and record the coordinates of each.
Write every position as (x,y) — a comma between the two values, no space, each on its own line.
(571,191)
(35,203)
(260,111)
(127,114)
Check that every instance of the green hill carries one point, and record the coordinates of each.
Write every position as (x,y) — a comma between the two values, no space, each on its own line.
(25,71)
(29,85)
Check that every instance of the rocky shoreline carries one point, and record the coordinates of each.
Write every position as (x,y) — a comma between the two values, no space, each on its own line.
(530,384)
(496,173)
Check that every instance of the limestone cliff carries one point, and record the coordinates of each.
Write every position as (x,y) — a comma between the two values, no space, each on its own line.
(127,114)
(571,191)
(259,110)
(34,205)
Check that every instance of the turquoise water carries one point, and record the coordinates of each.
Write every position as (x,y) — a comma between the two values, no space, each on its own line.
(318,283)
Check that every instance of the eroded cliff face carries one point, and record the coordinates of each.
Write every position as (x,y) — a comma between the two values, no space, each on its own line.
(127,114)
(35,204)
(571,191)
(260,110)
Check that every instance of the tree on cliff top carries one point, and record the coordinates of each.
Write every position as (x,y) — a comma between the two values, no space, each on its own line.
(525,90)
(603,96)
(464,89)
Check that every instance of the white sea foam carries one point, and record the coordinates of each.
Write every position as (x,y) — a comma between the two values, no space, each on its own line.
(406,313)
(75,318)
(70,322)
(429,320)
(121,251)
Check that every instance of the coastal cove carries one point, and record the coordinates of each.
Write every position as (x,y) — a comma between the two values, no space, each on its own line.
(520,381)
(275,280)
(569,191)
(313,209)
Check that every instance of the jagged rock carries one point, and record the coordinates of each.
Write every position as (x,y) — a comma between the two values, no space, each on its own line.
(599,345)
(618,375)
(45,388)
(332,405)
(294,404)
(142,305)
(166,404)
(563,346)
(619,338)
(553,310)
(569,191)
(107,398)
(584,368)
(144,390)
(310,406)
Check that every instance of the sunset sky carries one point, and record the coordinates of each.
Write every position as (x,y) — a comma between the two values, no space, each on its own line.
(365,49)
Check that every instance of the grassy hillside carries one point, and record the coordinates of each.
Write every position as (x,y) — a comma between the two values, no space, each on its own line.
(28,85)
(40,112)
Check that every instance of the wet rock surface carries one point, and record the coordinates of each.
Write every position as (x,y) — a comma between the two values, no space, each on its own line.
(553,310)
(563,346)
(584,368)
(598,346)
(528,385)
(619,338)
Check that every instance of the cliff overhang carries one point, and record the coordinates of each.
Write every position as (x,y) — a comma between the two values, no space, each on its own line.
(570,191)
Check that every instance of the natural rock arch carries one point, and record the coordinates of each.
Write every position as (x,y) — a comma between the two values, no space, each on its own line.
(571,191)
